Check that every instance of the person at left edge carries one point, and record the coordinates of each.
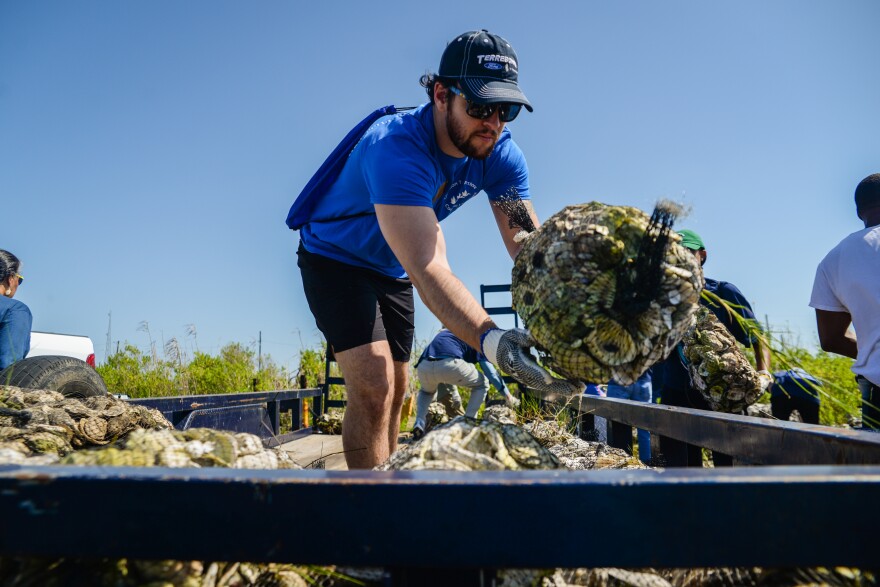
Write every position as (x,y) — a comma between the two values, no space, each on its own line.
(369,232)
(15,317)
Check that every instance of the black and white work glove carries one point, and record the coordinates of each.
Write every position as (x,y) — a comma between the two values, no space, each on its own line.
(509,351)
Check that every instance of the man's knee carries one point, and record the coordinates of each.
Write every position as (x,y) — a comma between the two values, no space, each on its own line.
(371,390)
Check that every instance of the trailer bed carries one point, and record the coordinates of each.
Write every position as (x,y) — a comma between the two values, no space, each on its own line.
(317,451)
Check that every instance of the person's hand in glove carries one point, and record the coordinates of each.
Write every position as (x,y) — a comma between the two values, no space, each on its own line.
(765,379)
(509,351)
(512,402)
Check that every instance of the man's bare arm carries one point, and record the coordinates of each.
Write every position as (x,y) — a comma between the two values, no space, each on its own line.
(507,231)
(762,354)
(834,335)
(414,234)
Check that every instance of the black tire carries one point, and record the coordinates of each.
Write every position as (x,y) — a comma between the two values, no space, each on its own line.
(66,375)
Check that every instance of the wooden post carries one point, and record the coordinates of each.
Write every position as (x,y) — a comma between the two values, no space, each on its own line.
(406,412)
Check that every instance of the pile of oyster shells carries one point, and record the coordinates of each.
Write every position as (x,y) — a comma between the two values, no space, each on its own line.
(329,422)
(498,443)
(40,426)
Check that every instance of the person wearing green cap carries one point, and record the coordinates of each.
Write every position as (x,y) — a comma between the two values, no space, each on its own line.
(692,241)
(670,376)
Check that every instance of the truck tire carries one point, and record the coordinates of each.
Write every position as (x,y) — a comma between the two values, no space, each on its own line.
(66,375)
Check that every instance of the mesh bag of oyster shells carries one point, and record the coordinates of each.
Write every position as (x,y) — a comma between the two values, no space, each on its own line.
(330,422)
(718,368)
(501,414)
(167,573)
(39,426)
(576,453)
(437,415)
(606,291)
(43,427)
(465,444)
(703,577)
(196,447)
(497,443)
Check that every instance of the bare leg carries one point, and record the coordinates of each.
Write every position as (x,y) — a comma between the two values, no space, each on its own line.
(401,382)
(370,377)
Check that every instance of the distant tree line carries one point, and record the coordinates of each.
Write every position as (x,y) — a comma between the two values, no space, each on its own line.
(236,368)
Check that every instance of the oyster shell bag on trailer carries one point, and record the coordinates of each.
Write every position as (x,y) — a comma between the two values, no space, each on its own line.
(718,368)
(606,291)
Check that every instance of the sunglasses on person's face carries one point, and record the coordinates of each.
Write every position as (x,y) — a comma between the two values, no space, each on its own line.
(506,111)
(20,278)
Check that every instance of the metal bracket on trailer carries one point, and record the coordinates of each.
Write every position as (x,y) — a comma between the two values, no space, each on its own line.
(254,412)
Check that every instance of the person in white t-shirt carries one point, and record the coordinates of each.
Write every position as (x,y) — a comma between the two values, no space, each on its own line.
(847,291)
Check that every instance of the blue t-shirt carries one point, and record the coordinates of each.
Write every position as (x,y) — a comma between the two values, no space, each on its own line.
(672,373)
(398,162)
(15,331)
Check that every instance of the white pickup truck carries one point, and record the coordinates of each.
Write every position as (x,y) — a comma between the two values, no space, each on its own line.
(57,362)
(66,345)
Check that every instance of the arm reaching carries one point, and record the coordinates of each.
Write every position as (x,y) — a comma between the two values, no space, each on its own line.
(414,234)
(498,383)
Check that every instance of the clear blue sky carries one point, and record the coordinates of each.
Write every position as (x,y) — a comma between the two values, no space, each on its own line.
(150,150)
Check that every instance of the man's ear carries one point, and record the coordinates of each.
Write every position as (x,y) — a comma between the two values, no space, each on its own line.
(703,257)
(441,96)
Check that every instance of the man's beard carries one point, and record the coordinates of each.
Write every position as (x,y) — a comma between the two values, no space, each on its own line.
(466,144)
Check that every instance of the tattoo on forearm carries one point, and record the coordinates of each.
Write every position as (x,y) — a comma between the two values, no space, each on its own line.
(517,212)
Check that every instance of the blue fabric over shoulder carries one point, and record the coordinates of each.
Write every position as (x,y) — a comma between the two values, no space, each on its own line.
(304,205)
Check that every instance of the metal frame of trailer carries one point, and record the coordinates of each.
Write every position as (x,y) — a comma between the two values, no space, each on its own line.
(773,516)
(751,516)
(807,484)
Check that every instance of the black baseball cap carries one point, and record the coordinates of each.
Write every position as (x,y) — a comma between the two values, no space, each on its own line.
(485,66)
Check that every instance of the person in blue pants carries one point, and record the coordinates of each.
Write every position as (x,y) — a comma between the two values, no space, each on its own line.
(621,434)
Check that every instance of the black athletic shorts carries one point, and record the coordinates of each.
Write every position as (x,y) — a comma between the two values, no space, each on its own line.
(354,306)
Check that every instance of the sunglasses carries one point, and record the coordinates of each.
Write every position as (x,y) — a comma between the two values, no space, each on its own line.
(506,111)
(20,278)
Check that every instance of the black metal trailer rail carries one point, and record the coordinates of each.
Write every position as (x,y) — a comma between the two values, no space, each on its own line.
(254,412)
(757,441)
(768,516)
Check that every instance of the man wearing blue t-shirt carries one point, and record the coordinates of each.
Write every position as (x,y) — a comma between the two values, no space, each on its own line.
(671,376)
(369,232)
